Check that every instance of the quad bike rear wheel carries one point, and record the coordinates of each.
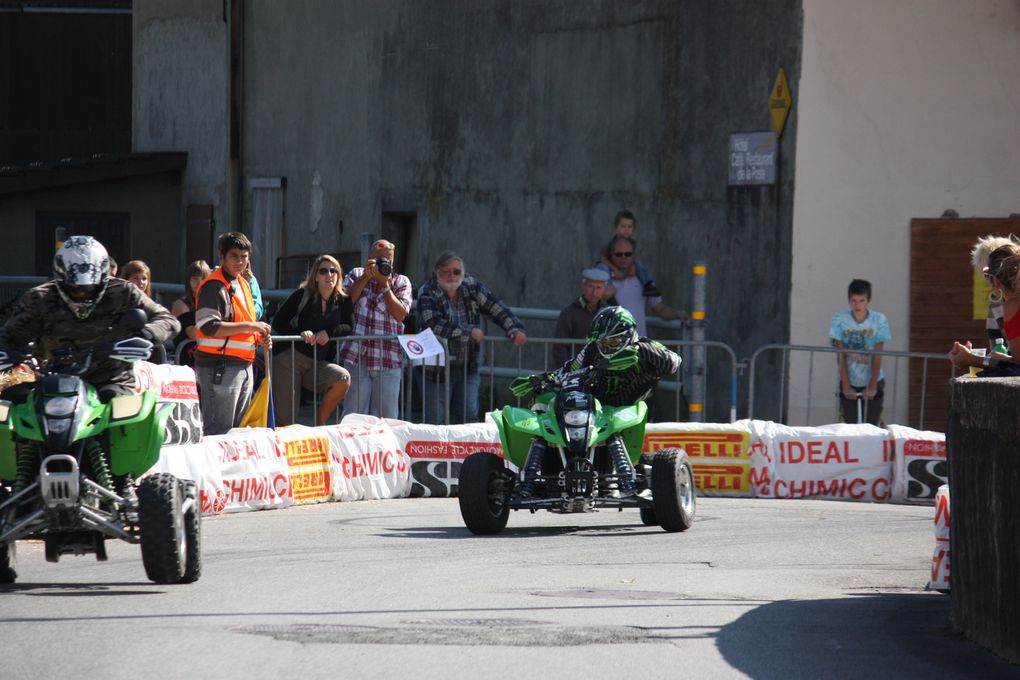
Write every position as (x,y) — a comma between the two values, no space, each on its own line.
(673,490)
(483,493)
(7,572)
(163,529)
(648,517)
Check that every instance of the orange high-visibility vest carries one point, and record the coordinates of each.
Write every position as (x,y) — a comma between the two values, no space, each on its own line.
(240,345)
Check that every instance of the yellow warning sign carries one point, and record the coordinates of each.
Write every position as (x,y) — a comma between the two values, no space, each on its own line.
(779,103)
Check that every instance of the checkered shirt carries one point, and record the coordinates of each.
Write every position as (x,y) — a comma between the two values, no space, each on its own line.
(371,317)
(435,311)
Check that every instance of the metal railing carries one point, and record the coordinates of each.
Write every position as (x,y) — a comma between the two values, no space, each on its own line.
(786,350)
(499,361)
(415,390)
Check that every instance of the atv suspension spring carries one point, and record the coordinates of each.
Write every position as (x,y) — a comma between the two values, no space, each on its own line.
(97,461)
(621,463)
(28,465)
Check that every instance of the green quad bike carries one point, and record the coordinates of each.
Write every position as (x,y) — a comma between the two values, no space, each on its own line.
(576,473)
(59,453)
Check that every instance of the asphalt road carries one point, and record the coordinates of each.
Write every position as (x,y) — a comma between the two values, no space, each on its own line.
(399,589)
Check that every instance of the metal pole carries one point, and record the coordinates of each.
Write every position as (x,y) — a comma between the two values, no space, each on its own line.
(367,239)
(697,403)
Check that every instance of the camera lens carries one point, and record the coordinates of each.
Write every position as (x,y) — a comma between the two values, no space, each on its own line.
(384,266)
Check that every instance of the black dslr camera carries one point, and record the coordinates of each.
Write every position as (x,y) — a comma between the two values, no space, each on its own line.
(383,266)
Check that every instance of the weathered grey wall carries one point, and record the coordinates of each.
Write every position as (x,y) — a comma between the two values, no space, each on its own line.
(517,129)
(181,94)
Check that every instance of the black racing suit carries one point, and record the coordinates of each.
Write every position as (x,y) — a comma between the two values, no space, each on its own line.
(613,388)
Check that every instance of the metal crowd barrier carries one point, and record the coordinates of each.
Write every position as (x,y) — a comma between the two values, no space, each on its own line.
(499,360)
(894,382)
(514,368)
(414,391)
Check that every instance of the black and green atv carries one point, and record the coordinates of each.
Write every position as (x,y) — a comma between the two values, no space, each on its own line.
(61,451)
(577,437)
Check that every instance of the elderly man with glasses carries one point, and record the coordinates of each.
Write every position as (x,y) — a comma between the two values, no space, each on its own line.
(382,299)
(451,303)
(628,290)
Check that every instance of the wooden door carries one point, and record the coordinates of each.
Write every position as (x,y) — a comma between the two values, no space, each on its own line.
(945,298)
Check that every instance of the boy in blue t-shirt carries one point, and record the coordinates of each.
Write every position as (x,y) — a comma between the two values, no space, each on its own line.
(860,375)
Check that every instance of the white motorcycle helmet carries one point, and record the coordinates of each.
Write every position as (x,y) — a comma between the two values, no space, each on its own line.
(81,268)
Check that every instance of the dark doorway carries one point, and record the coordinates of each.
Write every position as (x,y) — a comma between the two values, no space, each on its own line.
(400,228)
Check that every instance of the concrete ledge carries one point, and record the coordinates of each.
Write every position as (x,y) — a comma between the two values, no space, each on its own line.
(983,445)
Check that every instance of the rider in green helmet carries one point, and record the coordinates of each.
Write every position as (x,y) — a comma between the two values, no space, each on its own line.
(632,367)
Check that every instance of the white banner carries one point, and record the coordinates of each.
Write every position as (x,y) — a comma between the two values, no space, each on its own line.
(437,451)
(844,462)
(941,557)
(173,385)
(367,460)
(919,466)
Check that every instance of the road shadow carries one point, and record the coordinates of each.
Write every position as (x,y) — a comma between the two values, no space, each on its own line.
(511,532)
(80,589)
(886,635)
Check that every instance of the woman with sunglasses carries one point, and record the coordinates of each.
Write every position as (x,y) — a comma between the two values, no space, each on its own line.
(318,310)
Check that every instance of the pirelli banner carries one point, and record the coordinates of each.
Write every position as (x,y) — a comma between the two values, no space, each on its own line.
(767,460)
(722,456)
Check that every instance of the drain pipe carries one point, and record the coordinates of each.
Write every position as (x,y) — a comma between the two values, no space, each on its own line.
(367,239)
(696,405)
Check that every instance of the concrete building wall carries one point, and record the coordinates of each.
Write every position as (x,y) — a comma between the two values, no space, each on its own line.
(516,131)
(181,95)
(906,109)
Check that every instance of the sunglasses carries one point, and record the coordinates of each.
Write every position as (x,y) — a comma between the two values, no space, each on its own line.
(619,254)
(327,270)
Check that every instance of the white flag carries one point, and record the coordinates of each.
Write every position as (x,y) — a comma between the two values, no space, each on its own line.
(423,348)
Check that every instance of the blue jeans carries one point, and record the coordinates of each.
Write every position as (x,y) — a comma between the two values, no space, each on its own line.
(461,392)
(374,393)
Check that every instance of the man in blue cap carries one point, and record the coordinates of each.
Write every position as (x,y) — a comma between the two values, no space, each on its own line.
(575,318)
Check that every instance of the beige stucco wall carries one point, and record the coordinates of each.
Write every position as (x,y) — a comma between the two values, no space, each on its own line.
(905,109)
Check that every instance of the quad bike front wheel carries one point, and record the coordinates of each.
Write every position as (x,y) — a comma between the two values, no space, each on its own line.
(483,493)
(192,533)
(673,490)
(163,528)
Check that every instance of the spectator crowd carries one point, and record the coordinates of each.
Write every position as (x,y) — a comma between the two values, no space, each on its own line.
(221,333)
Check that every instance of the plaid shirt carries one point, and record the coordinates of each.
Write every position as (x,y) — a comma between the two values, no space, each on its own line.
(435,311)
(371,317)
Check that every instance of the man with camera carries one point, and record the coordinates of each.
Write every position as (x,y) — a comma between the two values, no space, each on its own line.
(381,301)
